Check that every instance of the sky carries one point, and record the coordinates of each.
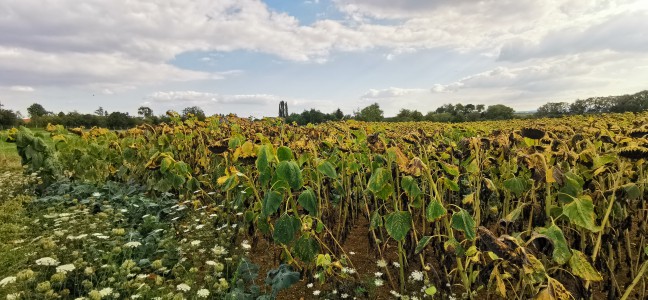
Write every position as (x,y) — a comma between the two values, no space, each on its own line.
(244,56)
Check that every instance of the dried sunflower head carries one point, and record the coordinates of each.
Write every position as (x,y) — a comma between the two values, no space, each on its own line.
(638,133)
(634,152)
(532,133)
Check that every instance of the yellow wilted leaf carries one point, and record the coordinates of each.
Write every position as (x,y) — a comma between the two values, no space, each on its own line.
(549,175)
(222,179)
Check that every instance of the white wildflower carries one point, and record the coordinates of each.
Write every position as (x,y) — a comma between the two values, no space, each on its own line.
(105,292)
(210,263)
(195,243)
(246,245)
(381,263)
(378,282)
(8,280)
(351,252)
(203,293)
(96,194)
(200,226)
(396,264)
(65,268)
(183,287)
(47,261)
(310,285)
(219,250)
(344,296)
(316,292)
(417,276)
(378,274)
(132,244)
(395,293)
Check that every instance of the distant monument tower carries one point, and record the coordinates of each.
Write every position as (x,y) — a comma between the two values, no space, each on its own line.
(283,109)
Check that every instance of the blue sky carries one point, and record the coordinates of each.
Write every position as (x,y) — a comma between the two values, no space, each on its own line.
(244,56)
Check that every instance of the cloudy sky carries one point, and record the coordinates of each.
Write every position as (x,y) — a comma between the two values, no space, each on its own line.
(244,56)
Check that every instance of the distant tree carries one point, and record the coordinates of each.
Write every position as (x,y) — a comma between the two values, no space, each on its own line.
(119,120)
(283,109)
(479,108)
(195,111)
(406,115)
(145,112)
(337,115)
(553,109)
(8,118)
(36,110)
(101,112)
(499,112)
(579,107)
(371,113)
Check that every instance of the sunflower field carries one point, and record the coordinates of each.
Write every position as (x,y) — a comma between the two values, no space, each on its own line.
(230,208)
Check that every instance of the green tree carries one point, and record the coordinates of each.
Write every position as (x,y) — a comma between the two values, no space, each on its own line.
(195,111)
(553,109)
(371,113)
(101,112)
(337,115)
(499,112)
(119,120)
(145,112)
(8,118)
(36,110)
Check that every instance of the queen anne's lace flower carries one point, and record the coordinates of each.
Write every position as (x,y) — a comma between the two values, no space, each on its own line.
(47,261)
(203,293)
(183,287)
(132,244)
(8,280)
(65,268)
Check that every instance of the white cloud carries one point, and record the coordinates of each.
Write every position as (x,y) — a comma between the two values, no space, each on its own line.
(527,85)
(21,88)
(391,92)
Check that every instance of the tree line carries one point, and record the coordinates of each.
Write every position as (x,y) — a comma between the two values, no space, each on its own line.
(595,105)
(40,117)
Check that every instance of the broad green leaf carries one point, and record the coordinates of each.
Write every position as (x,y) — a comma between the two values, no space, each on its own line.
(631,190)
(289,171)
(450,169)
(264,156)
(600,161)
(463,221)
(582,268)
(411,188)
(271,203)
(306,249)
(247,270)
(398,224)
(285,229)
(516,185)
(379,183)
(561,253)
(308,200)
(262,223)
(422,243)
(284,153)
(581,212)
(281,279)
(434,211)
(573,185)
(451,184)
(378,180)
(327,169)
(431,291)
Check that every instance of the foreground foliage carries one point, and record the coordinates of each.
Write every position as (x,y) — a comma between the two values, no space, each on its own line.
(550,208)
